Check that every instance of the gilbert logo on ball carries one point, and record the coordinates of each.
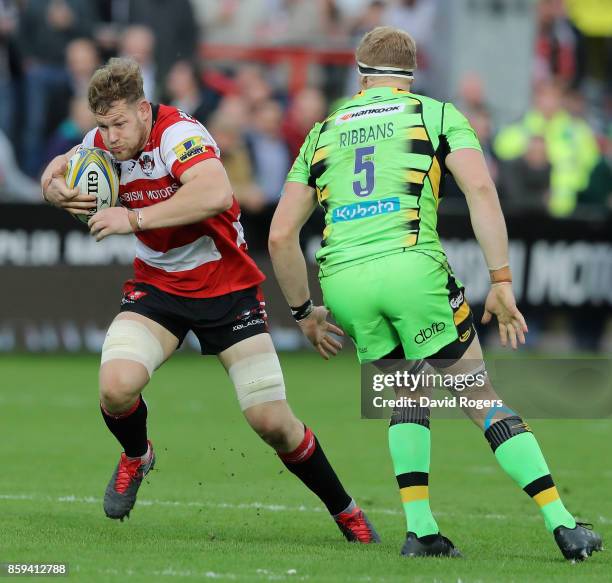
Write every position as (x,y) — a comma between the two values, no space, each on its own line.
(93,172)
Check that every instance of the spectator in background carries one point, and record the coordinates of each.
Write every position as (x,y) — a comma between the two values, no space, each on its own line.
(570,144)
(252,86)
(233,22)
(9,64)
(361,21)
(358,24)
(525,181)
(295,22)
(185,91)
(598,193)
(556,44)
(306,108)
(15,186)
(82,59)
(138,42)
(175,31)
(480,119)
(72,130)
(418,18)
(271,160)
(114,16)
(237,162)
(471,94)
(237,109)
(46,28)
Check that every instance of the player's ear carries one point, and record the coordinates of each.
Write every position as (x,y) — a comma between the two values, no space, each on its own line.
(142,107)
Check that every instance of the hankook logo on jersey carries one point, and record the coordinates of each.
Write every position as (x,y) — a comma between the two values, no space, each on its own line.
(426,334)
(369,111)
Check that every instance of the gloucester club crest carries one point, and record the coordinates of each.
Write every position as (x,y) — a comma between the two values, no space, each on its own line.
(147,164)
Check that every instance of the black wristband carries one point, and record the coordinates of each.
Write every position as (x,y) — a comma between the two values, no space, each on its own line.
(302,311)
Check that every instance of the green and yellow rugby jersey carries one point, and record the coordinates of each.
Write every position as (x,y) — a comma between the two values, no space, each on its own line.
(377,164)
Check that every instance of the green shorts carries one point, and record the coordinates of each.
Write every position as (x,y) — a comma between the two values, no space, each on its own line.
(410,298)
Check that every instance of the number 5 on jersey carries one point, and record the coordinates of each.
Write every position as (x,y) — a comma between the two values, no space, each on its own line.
(364,162)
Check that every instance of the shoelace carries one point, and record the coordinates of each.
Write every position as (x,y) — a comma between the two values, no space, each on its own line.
(128,470)
(586,525)
(358,526)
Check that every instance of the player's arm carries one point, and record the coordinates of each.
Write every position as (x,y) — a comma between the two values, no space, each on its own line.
(56,192)
(205,192)
(295,207)
(469,169)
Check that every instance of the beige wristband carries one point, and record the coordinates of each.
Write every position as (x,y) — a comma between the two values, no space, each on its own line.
(501,275)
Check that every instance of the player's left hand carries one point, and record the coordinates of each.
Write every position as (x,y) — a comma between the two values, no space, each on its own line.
(501,303)
(316,328)
(112,221)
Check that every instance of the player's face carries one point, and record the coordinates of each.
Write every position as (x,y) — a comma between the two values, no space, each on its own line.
(125,128)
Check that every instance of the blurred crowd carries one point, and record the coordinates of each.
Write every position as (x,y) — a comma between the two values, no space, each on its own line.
(555,159)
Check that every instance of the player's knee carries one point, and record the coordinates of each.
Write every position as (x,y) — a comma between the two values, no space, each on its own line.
(274,431)
(258,379)
(129,340)
(120,384)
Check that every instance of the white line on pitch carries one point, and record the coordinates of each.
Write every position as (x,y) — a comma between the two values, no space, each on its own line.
(72,499)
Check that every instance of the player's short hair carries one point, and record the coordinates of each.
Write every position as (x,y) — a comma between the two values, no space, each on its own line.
(119,79)
(387,46)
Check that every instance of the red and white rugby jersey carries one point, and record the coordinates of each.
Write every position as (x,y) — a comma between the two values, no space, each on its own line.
(205,259)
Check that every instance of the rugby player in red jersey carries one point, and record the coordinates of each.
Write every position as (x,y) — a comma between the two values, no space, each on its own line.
(191,272)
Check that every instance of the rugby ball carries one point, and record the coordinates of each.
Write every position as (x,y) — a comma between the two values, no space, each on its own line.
(93,172)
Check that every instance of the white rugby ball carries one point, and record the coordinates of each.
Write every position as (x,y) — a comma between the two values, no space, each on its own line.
(93,172)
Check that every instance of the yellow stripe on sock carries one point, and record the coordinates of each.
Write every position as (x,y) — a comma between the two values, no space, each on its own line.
(546,496)
(412,493)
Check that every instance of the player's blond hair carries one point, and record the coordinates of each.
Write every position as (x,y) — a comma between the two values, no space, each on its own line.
(119,79)
(387,46)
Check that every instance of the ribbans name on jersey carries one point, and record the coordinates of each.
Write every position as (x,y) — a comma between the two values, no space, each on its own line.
(203,259)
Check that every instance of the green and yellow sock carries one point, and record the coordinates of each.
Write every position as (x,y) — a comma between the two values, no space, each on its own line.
(519,454)
(410,448)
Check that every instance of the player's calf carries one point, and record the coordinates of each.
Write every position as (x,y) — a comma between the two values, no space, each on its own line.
(130,354)
(260,388)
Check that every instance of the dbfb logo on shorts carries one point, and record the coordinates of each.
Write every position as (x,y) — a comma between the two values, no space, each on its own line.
(426,334)
(369,111)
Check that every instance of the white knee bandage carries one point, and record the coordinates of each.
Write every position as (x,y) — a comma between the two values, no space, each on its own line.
(258,379)
(130,340)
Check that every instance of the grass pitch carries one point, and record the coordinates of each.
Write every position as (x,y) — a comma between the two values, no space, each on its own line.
(220,506)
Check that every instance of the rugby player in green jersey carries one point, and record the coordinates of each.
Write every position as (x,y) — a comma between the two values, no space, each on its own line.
(376,166)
